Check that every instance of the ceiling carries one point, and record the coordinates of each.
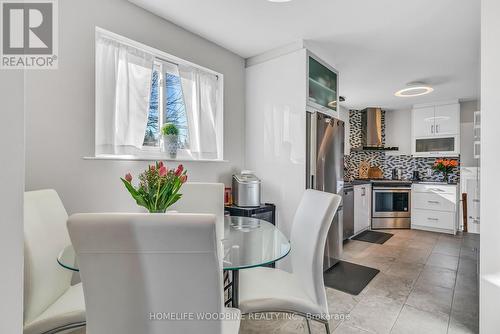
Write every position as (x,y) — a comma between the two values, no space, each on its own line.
(378,46)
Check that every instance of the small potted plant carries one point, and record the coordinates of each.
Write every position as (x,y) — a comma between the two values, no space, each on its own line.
(158,187)
(445,166)
(170,139)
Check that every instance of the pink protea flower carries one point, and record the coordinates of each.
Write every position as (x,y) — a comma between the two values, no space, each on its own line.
(128,177)
(179,170)
(162,171)
(183,178)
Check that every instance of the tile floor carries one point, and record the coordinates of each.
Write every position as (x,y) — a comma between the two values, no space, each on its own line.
(427,284)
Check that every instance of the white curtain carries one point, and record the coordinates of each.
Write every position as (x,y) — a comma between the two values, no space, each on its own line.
(123,84)
(204,113)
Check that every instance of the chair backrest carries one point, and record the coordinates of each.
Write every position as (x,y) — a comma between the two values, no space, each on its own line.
(308,237)
(45,235)
(138,270)
(200,197)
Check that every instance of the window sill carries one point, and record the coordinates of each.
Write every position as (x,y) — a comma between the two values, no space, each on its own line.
(148,158)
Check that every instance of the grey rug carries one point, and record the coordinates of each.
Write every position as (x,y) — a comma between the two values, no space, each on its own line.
(349,277)
(373,237)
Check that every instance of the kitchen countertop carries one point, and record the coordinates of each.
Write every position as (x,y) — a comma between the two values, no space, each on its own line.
(356,182)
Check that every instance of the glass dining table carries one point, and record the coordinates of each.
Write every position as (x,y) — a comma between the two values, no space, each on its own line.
(248,242)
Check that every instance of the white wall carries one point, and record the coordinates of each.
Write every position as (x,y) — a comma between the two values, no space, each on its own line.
(490,160)
(467,110)
(398,131)
(11,200)
(60,106)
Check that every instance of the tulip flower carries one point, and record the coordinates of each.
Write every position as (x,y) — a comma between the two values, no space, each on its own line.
(128,177)
(183,178)
(160,164)
(162,171)
(179,170)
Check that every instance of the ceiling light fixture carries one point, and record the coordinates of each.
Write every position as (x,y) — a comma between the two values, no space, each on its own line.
(414,89)
(279,0)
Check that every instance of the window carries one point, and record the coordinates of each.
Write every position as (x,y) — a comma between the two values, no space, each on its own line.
(140,89)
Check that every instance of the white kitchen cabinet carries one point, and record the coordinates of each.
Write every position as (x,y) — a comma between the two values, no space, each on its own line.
(362,207)
(447,119)
(423,122)
(434,207)
(436,130)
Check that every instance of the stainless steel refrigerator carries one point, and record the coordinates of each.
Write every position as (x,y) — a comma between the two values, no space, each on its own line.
(325,172)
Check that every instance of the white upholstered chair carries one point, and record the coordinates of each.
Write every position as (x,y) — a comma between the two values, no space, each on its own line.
(137,269)
(51,304)
(302,291)
(198,197)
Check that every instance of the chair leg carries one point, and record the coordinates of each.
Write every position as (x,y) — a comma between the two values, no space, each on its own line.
(308,322)
(327,327)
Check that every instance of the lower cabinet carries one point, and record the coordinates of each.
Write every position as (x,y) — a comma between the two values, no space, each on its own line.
(362,207)
(435,207)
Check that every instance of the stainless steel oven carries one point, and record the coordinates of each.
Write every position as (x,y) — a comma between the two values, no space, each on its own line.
(391,206)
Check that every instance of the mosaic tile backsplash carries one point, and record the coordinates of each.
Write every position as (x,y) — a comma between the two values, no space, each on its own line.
(406,163)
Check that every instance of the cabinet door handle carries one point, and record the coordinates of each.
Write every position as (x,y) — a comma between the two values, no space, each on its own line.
(437,128)
(433,202)
(432,128)
(475,200)
(364,192)
(435,219)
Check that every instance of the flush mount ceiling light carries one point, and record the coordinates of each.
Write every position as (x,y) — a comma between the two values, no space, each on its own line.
(414,89)
(279,0)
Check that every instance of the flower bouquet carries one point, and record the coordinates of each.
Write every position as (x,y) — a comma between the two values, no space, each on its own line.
(445,166)
(158,187)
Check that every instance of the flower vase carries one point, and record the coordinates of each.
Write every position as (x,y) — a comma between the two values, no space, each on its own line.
(170,145)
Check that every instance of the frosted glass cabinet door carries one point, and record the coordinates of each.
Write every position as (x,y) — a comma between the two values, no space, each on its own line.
(447,119)
(423,122)
(322,85)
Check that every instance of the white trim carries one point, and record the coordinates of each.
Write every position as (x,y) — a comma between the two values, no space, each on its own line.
(146,158)
(433,104)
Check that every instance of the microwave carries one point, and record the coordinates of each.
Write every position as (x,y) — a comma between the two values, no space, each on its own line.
(438,146)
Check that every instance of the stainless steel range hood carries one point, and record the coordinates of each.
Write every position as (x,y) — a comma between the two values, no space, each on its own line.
(371,131)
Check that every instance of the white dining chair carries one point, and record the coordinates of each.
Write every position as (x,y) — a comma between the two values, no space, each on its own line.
(51,303)
(150,273)
(302,291)
(201,197)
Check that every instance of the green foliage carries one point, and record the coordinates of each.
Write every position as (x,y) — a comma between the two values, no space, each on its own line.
(170,129)
(158,187)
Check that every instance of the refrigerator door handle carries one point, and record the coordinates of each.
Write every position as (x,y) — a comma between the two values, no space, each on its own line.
(313,132)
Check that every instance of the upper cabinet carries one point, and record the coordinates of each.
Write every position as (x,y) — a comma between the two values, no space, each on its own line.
(447,119)
(436,130)
(423,122)
(322,85)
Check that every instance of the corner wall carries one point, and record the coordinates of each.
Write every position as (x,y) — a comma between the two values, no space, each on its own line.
(11,200)
(489,299)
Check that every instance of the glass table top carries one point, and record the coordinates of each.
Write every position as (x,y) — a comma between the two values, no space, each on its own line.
(248,242)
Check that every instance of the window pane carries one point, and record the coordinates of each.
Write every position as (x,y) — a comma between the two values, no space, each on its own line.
(153,127)
(175,108)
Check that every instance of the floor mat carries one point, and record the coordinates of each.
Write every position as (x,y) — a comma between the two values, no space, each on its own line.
(349,277)
(373,237)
